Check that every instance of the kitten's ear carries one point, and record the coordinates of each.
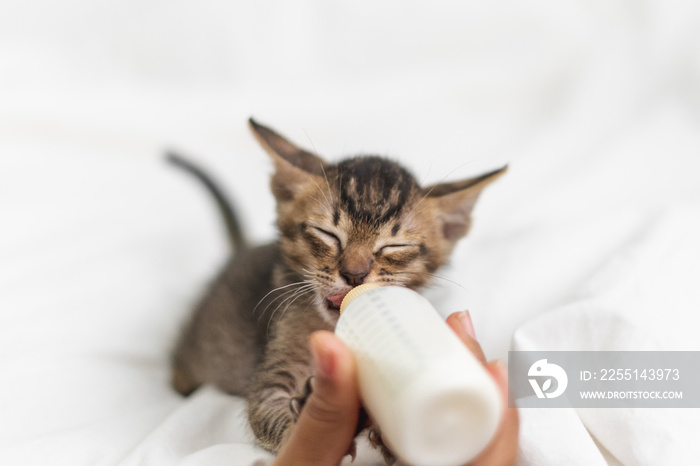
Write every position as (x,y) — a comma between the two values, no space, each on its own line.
(455,202)
(294,167)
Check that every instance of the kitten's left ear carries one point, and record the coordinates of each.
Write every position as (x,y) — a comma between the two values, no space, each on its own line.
(455,202)
(294,167)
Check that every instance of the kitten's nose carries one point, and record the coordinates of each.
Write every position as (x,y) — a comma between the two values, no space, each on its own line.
(355,265)
(354,279)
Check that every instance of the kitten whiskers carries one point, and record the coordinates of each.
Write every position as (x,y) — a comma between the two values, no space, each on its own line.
(294,296)
(274,290)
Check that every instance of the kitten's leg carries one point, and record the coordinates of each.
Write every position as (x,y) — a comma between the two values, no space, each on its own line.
(274,411)
(279,392)
(282,384)
(219,345)
(183,378)
(271,409)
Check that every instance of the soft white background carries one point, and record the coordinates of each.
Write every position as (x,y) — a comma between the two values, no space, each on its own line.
(589,242)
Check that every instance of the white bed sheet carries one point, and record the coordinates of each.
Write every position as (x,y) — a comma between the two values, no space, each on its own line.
(589,242)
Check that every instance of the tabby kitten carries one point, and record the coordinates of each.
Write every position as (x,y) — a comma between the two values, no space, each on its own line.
(361,220)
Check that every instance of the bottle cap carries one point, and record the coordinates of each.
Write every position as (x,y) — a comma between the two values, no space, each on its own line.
(355,292)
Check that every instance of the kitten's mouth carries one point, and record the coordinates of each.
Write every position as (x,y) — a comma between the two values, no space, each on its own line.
(333,302)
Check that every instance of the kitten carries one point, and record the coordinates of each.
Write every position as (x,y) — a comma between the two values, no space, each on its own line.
(361,220)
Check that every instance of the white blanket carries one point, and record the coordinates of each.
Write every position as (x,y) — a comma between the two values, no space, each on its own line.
(589,242)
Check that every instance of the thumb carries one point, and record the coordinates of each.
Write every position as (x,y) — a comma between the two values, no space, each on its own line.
(326,426)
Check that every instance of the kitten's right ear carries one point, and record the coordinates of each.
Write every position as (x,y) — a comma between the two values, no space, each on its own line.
(294,167)
(455,201)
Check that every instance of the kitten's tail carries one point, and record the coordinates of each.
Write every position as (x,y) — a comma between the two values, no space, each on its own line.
(235,234)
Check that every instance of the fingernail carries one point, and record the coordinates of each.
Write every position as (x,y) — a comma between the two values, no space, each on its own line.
(466,320)
(324,361)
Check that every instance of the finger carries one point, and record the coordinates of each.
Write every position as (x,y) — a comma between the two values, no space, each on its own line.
(503,449)
(326,426)
(461,324)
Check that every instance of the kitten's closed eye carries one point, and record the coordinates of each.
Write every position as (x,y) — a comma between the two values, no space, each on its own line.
(330,238)
(394,248)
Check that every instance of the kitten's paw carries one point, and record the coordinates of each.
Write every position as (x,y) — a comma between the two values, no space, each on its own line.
(375,439)
(352,450)
(296,403)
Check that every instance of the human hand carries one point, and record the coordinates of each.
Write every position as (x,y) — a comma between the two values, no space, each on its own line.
(326,427)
